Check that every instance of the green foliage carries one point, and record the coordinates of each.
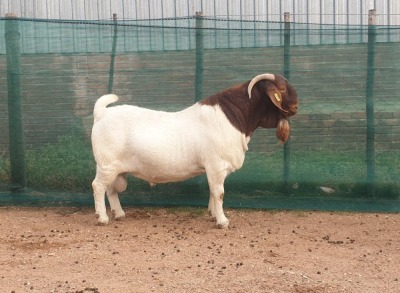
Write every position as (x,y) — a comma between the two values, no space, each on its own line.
(4,171)
(67,165)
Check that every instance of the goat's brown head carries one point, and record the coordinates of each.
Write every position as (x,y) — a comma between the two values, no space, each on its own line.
(282,95)
(266,101)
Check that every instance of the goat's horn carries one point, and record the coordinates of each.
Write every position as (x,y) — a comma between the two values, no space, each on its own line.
(267,76)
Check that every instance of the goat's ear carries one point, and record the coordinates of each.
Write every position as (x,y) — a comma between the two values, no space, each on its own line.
(276,97)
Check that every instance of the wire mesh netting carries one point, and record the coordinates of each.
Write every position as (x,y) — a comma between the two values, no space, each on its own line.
(344,151)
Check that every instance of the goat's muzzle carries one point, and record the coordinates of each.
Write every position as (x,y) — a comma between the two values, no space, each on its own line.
(292,110)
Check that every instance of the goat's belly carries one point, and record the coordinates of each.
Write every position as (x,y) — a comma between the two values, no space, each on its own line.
(160,168)
(165,174)
(165,178)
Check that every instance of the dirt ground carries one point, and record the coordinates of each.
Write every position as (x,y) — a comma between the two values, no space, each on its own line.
(179,250)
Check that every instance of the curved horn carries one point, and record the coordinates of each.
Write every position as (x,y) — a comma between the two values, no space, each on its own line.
(267,76)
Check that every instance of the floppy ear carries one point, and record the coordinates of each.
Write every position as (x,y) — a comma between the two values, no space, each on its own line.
(276,97)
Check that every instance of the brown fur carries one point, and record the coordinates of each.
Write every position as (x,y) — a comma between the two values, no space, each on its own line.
(247,114)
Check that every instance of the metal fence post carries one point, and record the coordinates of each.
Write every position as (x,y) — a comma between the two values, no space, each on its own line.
(15,111)
(199,57)
(286,73)
(370,147)
(113,53)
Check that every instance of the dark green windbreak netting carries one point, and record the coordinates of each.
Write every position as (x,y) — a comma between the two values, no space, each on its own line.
(344,151)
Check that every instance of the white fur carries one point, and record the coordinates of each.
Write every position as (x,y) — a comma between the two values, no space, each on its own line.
(161,147)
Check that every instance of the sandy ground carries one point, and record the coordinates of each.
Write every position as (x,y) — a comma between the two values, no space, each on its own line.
(179,250)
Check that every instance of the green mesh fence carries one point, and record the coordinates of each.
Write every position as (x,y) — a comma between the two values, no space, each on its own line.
(344,151)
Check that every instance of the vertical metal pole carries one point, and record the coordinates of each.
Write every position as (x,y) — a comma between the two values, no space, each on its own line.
(113,53)
(162,27)
(241,23)
(176,26)
(199,57)
(15,104)
(320,22)
(199,75)
(370,147)
(228,24)
(334,21)
(286,73)
(286,49)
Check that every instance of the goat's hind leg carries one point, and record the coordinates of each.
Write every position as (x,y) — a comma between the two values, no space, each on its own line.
(119,185)
(99,201)
(105,179)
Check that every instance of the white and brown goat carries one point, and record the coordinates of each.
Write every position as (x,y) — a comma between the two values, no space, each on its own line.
(209,137)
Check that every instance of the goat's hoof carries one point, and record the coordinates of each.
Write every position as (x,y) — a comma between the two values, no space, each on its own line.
(212,215)
(119,216)
(223,225)
(103,221)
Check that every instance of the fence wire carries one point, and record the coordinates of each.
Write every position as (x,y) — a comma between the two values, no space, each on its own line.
(334,12)
(62,36)
(56,70)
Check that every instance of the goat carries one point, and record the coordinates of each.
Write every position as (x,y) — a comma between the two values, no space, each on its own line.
(209,137)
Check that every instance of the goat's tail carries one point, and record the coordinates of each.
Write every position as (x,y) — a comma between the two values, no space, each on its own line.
(101,105)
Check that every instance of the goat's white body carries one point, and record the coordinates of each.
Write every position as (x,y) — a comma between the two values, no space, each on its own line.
(162,147)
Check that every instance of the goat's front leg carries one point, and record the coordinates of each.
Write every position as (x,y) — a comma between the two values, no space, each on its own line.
(211,207)
(216,183)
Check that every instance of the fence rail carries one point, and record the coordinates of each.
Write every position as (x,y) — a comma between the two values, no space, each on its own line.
(335,12)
